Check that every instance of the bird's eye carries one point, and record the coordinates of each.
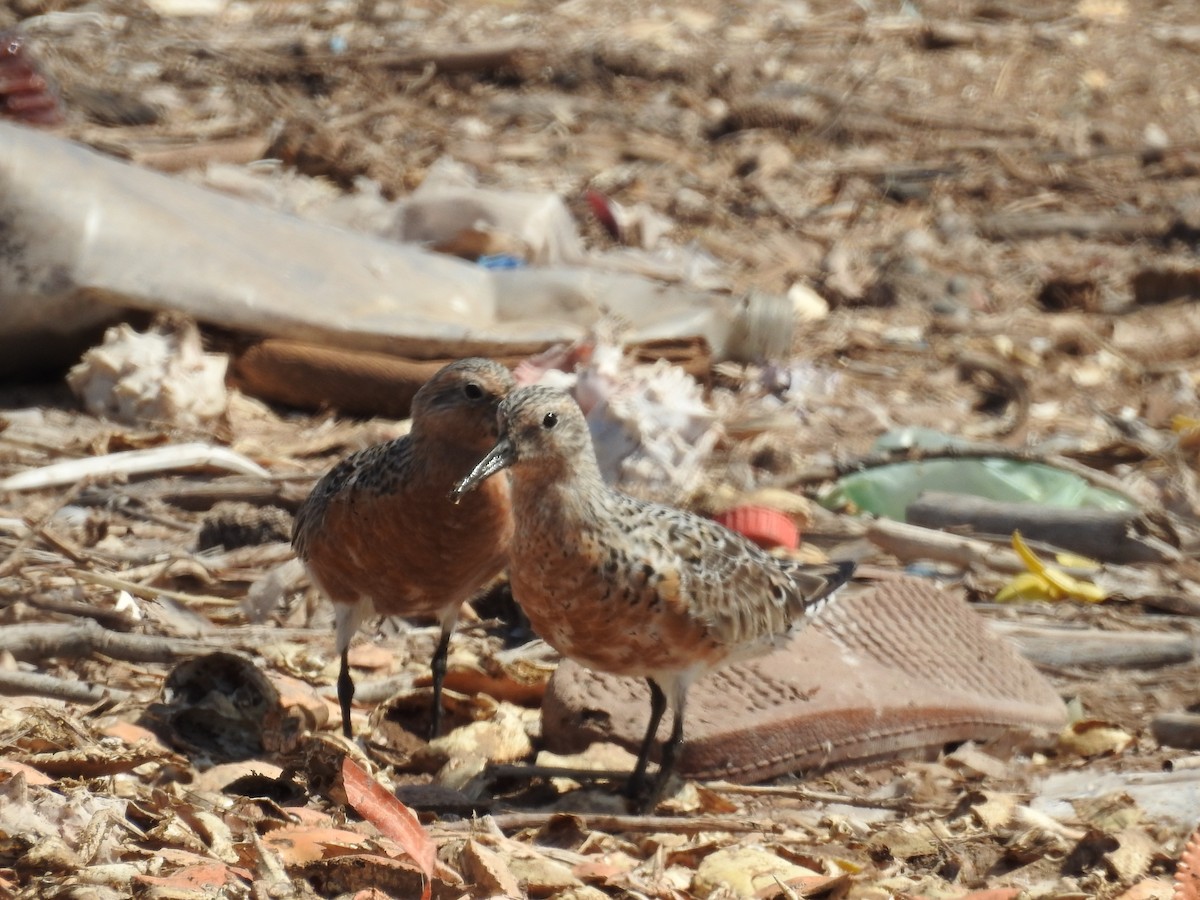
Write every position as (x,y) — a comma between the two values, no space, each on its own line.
(472,391)
(550,420)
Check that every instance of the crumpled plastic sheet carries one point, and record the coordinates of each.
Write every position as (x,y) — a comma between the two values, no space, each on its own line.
(84,237)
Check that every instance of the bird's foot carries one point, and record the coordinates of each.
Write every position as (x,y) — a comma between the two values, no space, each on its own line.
(644,795)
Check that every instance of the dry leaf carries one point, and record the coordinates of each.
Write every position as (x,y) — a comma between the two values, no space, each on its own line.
(540,876)
(521,681)
(905,841)
(50,854)
(605,868)
(10,767)
(972,758)
(745,872)
(377,805)
(1133,855)
(297,845)
(206,876)
(300,699)
(695,798)
(807,886)
(371,656)
(500,739)
(995,809)
(358,871)
(216,778)
(1092,737)
(488,869)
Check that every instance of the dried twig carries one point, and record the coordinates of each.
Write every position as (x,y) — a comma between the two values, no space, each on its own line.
(914,542)
(34,642)
(17,554)
(114,619)
(518,821)
(147,592)
(285,491)
(800,793)
(16,684)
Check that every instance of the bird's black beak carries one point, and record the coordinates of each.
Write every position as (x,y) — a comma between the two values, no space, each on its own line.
(503,455)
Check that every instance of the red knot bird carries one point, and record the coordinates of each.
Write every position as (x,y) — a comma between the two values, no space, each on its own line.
(378,533)
(629,587)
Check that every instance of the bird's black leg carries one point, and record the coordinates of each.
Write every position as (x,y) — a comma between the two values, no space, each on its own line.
(439,674)
(345,689)
(658,705)
(666,762)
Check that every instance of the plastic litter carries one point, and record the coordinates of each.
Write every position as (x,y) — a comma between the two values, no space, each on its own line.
(1045,582)
(767,527)
(650,424)
(95,237)
(448,204)
(887,490)
(161,376)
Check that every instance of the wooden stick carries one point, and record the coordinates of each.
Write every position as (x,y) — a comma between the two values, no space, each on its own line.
(1093,647)
(799,793)
(106,617)
(285,491)
(34,642)
(519,821)
(18,684)
(147,592)
(177,158)
(914,542)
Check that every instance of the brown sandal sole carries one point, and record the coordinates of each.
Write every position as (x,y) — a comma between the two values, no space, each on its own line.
(900,667)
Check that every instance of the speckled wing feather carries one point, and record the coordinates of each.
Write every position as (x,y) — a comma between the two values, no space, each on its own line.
(731,584)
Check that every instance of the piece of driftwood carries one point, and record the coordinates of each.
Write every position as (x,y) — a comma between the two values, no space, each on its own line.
(1092,647)
(1104,535)
(792,792)
(59,603)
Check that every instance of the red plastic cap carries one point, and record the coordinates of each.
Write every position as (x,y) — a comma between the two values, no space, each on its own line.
(765,526)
